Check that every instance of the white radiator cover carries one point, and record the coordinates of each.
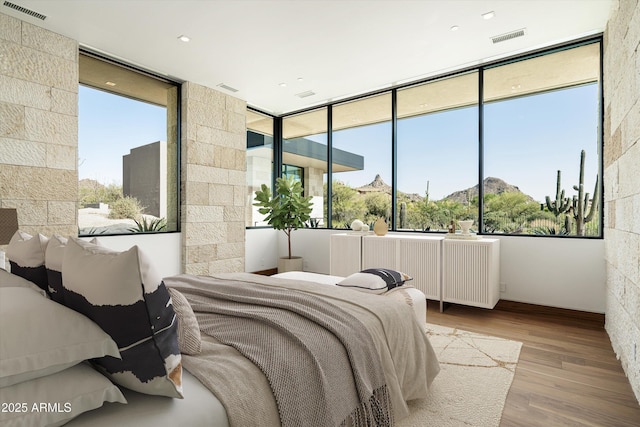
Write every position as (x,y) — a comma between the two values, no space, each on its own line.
(446,270)
(471,272)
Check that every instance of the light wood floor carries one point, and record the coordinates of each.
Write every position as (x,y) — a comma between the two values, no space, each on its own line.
(567,375)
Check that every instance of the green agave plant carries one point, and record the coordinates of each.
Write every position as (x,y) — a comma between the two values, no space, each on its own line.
(145,225)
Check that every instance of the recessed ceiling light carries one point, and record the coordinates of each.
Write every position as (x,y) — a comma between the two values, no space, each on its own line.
(183,38)
(300,79)
(489,15)
(454,28)
(110,83)
(282,84)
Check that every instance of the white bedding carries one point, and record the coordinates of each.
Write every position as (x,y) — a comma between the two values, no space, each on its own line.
(418,300)
(199,408)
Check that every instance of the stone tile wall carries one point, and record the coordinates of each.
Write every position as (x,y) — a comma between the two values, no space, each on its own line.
(213,181)
(622,184)
(38,126)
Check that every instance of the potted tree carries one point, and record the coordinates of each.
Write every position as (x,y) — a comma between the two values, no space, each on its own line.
(287,210)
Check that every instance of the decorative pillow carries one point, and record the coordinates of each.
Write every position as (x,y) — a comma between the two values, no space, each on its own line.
(40,337)
(26,257)
(56,399)
(375,280)
(189,339)
(53,257)
(8,280)
(124,295)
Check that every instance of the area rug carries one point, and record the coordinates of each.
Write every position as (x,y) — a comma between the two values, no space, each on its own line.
(476,372)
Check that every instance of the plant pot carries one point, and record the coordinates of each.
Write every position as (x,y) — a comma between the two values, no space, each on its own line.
(290,264)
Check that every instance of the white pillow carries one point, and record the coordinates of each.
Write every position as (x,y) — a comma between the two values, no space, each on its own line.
(40,337)
(56,399)
(26,257)
(375,280)
(125,296)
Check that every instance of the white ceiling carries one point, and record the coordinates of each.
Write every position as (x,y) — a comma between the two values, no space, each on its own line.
(338,48)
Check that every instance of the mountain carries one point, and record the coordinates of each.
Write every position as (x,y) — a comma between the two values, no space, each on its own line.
(491,186)
(378,185)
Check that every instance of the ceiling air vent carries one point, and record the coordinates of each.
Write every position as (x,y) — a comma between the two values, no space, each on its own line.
(508,36)
(24,10)
(229,88)
(305,94)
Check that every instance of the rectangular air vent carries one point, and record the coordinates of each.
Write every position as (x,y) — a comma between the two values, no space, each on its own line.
(229,88)
(508,36)
(305,94)
(24,10)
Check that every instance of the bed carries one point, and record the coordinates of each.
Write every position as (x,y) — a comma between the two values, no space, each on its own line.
(220,384)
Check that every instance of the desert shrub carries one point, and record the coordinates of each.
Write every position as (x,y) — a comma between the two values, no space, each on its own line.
(126,207)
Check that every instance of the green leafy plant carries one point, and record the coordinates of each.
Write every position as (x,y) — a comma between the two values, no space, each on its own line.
(149,225)
(288,209)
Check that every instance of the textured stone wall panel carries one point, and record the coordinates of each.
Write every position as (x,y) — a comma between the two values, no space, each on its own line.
(43,40)
(221,195)
(204,233)
(622,184)
(235,231)
(24,153)
(38,67)
(62,157)
(204,213)
(210,171)
(200,153)
(50,127)
(24,93)
(10,28)
(200,254)
(12,121)
(61,213)
(194,193)
(64,102)
(36,183)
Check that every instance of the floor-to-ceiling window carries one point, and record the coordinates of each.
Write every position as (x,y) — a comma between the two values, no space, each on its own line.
(437,153)
(514,145)
(540,115)
(127,149)
(259,162)
(305,152)
(362,163)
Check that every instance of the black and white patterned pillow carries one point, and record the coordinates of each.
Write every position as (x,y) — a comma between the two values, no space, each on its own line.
(123,294)
(26,256)
(53,263)
(375,280)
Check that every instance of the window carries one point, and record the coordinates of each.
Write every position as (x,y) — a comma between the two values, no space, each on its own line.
(362,154)
(437,153)
(304,152)
(503,144)
(540,114)
(127,149)
(259,162)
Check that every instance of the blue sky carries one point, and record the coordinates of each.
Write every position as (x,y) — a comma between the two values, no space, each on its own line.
(526,140)
(109,126)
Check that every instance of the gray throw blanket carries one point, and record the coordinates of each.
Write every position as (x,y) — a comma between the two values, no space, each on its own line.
(320,361)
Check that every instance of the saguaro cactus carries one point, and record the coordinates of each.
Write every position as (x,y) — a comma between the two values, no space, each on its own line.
(403,215)
(580,203)
(561,204)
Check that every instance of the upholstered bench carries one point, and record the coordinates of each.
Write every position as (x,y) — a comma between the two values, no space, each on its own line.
(412,296)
